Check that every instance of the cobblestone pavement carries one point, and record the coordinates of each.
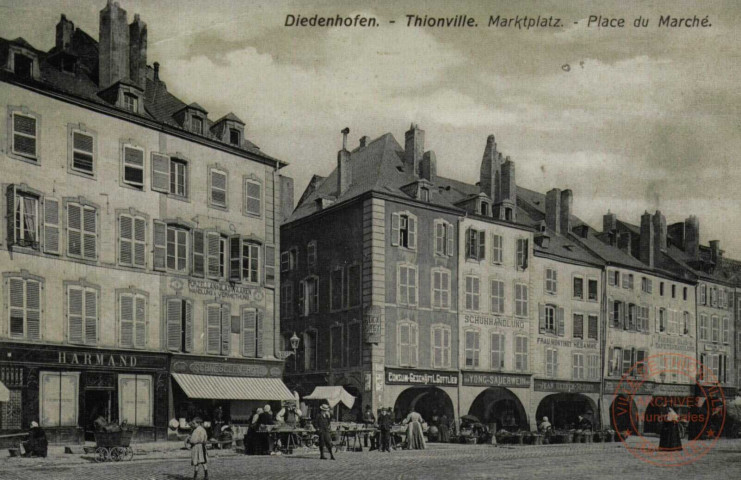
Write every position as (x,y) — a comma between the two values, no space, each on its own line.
(605,461)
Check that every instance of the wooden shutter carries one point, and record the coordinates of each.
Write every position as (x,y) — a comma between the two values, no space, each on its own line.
(51,225)
(394,229)
(449,230)
(269,265)
(140,321)
(560,322)
(541,316)
(160,173)
(439,235)
(249,325)
(188,347)
(91,316)
(126,240)
(199,253)
(90,232)
(525,249)
(127,320)
(74,229)
(301,297)
(235,258)
(412,232)
(226,329)
(482,245)
(160,245)
(578,326)
(213,254)
(174,315)
(218,188)
(33,310)
(74,314)
(10,213)
(140,226)
(213,328)
(413,343)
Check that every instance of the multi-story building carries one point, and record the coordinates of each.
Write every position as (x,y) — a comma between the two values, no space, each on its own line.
(139,250)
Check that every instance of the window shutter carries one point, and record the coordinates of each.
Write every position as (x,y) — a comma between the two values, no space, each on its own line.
(140,226)
(74,227)
(235,257)
(249,324)
(269,265)
(482,245)
(199,253)
(439,234)
(174,323)
(33,310)
(24,135)
(259,333)
(213,328)
(525,249)
(620,320)
(560,322)
(578,326)
(140,321)
(127,320)
(394,229)
(413,343)
(626,316)
(74,318)
(160,245)
(412,230)
(301,296)
(657,326)
(126,241)
(541,316)
(160,173)
(611,278)
(218,188)
(91,316)
(469,244)
(90,232)
(226,330)
(51,225)
(213,249)
(10,214)
(188,347)
(450,238)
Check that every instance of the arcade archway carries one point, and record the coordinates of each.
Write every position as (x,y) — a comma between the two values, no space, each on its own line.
(563,409)
(501,406)
(427,401)
(624,415)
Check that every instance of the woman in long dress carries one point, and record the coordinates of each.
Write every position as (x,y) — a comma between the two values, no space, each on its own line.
(669,439)
(444,428)
(198,456)
(415,438)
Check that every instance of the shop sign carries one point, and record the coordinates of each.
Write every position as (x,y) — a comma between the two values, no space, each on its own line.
(629,387)
(565,386)
(94,359)
(715,348)
(225,290)
(485,379)
(372,325)
(673,390)
(222,368)
(396,376)
(487,321)
(674,343)
(575,343)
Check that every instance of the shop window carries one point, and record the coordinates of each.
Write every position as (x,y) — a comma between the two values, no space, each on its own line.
(497,296)
(472,348)
(24,307)
(551,362)
(132,319)
(407,285)
(252,333)
(132,240)
(354,343)
(404,230)
(136,400)
(218,323)
(440,288)
(59,399)
(407,343)
(521,354)
(472,292)
(497,351)
(179,324)
(11,411)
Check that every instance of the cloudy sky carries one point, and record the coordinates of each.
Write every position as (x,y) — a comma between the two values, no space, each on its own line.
(644,118)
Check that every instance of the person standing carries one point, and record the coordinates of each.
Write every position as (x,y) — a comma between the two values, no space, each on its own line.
(384,427)
(197,442)
(415,437)
(369,420)
(669,439)
(444,429)
(323,429)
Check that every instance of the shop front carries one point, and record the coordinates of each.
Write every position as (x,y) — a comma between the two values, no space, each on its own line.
(627,402)
(497,399)
(563,401)
(428,392)
(66,389)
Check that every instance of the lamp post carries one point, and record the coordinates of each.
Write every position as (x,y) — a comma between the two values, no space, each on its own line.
(294,345)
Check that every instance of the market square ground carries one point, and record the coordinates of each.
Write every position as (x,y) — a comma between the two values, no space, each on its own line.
(605,461)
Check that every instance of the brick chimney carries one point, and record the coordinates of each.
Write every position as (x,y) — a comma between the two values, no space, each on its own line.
(659,222)
(553,210)
(646,249)
(715,252)
(65,29)
(364,141)
(567,201)
(138,51)
(490,167)
(286,197)
(609,222)
(113,59)
(509,187)
(692,237)
(428,167)
(344,169)
(414,146)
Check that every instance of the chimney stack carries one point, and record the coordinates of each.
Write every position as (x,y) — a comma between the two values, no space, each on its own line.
(138,51)
(489,177)
(567,200)
(65,29)
(715,251)
(509,186)
(344,170)
(553,210)
(414,146)
(646,250)
(113,61)
(428,167)
(659,222)
(364,141)
(609,222)
(156,70)
(692,237)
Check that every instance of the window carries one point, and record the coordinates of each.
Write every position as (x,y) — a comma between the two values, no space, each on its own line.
(83,152)
(521,253)
(642,325)
(593,295)
(24,308)
(578,366)
(440,288)
(521,353)
(407,285)
(497,296)
(286,299)
(179,323)
(673,326)
(632,317)
(82,232)
(171,247)
(440,346)
(336,289)
(59,398)
(627,363)
(686,323)
(578,288)
(684,293)
(218,323)
(551,281)
(472,348)
(548,320)
(628,281)
(133,166)
(25,136)
(593,329)
(216,255)
(252,197)
(484,209)
(309,296)
(424,194)
(475,244)
(662,320)
(497,250)
(616,361)
(472,293)
(310,350)
(288,260)
(132,319)
(354,344)
(310,254)
(131,102)
(404,230)
(578,326)
(593,367)
(613,278)
(646,285)
(674,291)
(726,334)
(521,309)
(407,344)
(497,351)
(136,399)
(703,294)
(715,324)
(713,297)
(82,315)
(244,260)
(218,186)
(178,178)
(443,238)
(353,286)
(551,362)
(703,327)
(252,333)
(196,124)
(661,288)
(235,136)
(335,341)
(132,240)
(22,65)
(23,226)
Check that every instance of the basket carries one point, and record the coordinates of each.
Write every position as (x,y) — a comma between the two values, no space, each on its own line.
(113,439)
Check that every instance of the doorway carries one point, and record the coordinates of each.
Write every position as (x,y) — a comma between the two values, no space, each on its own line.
(98,403)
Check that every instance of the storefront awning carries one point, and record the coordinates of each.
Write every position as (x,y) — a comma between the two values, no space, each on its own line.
(333,396)
(4,393)
(232,388)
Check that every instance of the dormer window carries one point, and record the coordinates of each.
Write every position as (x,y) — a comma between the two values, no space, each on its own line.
(131,102)
(197,125)
(23,65)
(424,194)
(234,137)
(484,209)
(508,214)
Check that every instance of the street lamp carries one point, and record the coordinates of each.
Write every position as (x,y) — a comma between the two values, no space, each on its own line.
(294,345)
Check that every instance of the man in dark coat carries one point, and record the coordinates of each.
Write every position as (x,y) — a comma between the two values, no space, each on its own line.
(384,426)
(325,437)
(369,420)
(36,445)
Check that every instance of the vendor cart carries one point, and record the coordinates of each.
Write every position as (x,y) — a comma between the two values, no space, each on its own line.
(113,446)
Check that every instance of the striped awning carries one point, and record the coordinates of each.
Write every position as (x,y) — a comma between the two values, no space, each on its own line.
(232,388)
(4,393)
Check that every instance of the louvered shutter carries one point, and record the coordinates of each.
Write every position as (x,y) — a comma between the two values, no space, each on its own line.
(160,172)
(10,199)
(657,322)
(301,296)
(188,347)
(560,323)
(213,328)
(413,343)
(174,324)
(449,229)
(126,240)
(140,242)
(541,316)
(91,316)
(218,188)
(24,135)
(160,245)
(611,278)
(412,231)
(259,334)
(626,316)
(82,154)
(394,229)
(269,265)
(482,245)
(525,252)
(249,324)
(611,311)
(226,330)
(51,225)
(199,253)
(74,229)
(235,259)
(75,316)
(127,320)
(17,306)
(439,235)
(140,321)
(33,310)
(213,249)
(90,232)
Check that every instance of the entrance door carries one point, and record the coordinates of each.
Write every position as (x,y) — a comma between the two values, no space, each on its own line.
(98,403)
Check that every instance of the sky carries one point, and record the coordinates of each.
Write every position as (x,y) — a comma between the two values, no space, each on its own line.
(630,119)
